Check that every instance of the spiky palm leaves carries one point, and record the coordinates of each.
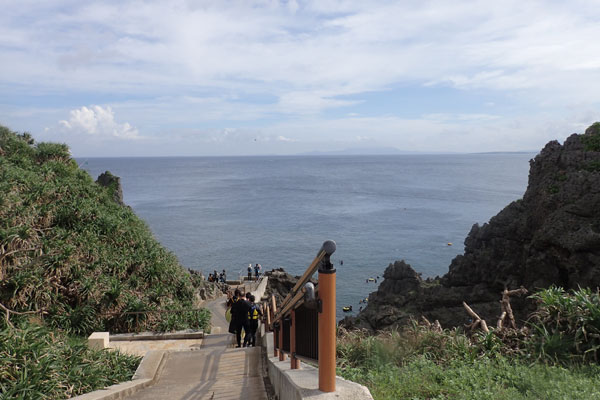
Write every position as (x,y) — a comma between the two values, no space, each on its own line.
(67,248)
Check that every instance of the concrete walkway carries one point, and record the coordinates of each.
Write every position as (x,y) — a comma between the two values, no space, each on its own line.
(215,371)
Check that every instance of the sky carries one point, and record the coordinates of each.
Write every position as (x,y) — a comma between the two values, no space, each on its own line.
(196,78)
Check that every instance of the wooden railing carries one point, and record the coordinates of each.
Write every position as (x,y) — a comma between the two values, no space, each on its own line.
(303,324)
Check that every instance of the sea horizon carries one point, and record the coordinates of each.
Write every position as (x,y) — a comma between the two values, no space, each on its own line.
(224,212)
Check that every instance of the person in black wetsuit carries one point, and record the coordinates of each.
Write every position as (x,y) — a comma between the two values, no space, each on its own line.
(253,316)
(239,316)
(257,268)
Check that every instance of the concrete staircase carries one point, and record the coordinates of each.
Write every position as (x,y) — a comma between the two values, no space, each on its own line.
(216,371)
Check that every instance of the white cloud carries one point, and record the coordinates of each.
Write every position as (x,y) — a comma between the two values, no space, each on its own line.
(257,66)
(285,139)
(461,117)
(279,47)
(98,121)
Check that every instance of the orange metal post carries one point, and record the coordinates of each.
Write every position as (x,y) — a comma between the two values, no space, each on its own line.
(327,339)
(294,362)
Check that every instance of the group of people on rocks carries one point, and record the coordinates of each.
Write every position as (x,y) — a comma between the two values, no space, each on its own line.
(256,268)
(244,316)
(214,277)
(222,276)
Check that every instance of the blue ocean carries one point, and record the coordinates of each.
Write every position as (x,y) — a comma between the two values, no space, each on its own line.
(220,213)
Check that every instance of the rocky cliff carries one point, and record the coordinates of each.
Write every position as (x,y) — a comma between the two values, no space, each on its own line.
(112,182)
(550,236)
(281,284)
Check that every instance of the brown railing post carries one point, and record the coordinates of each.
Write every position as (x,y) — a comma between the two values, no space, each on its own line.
(327,339)
(273,306)
(275,331)
(294,362)
(281,353)
(268,316)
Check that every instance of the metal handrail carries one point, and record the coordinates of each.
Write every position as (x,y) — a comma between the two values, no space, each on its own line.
(317,314)
(298,290)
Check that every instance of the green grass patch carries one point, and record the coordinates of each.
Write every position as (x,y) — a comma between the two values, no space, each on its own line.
(591,139)
(38,363)
(566,325)
(592,166)
(555,357)
(482,378)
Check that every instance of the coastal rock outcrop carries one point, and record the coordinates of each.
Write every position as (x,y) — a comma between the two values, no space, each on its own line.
(550,236)
(280,284)
(112,182)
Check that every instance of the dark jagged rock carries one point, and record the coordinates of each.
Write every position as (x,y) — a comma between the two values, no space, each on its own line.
(112,182)
(280,284)
(550,236)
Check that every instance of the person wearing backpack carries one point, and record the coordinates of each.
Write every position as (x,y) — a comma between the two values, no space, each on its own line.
(239,316)
(253,315)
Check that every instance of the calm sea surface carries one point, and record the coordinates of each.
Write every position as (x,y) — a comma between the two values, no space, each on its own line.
(226,212)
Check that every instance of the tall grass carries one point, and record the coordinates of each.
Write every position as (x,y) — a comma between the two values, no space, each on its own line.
(591,141)
(566,325)
(66,247)
(556,359)
(38,363)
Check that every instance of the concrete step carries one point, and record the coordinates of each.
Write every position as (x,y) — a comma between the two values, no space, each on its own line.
(219,373)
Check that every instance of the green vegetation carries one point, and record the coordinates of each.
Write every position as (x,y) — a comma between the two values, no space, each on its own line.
(70,250)
(562,177)
(75,261)
(553,189)
(591,140)
(592,166)
(550,359)
(566,326)
(38,363)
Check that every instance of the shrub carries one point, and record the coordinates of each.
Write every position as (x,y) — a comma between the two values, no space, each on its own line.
(420,363)
(591,138)
(41,364)
(74,252)
(52,151)
(566,325)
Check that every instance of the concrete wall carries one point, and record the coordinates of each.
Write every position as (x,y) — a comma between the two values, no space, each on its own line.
(297,384)
(260,289)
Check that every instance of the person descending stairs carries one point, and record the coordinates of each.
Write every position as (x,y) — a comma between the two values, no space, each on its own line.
(253,315)
(215,371)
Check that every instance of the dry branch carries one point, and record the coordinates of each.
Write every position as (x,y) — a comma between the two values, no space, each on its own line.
(476,319)
(436,326)
(507,309)
(501,319)
(9,311)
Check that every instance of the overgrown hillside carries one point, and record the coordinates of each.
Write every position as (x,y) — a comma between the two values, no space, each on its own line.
(69,250)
